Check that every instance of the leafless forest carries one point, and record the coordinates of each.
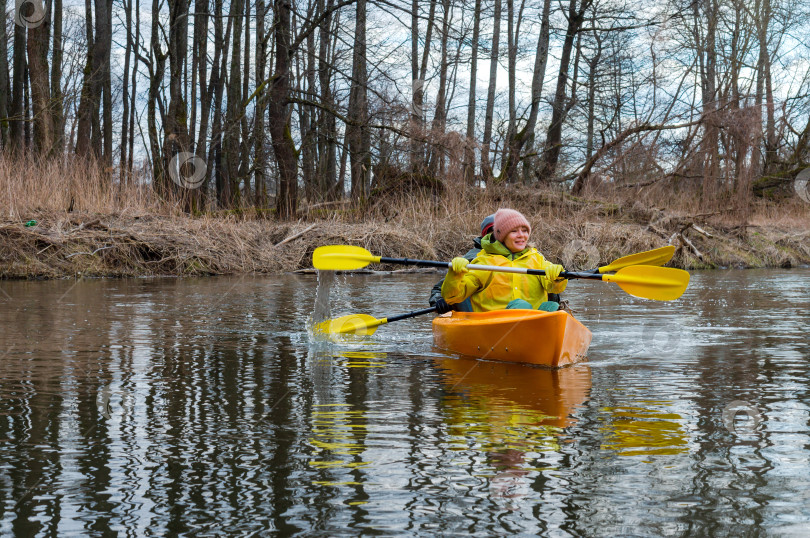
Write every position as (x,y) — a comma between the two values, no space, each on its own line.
(276,105)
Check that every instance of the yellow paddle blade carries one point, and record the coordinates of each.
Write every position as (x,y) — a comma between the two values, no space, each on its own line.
(342,258)
(657,256)
(361,324)
(648,282)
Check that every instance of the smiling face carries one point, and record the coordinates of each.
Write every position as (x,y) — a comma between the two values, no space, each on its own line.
(517,239)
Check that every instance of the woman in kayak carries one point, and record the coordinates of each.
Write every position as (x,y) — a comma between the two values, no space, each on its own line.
(442,307)
(508,246)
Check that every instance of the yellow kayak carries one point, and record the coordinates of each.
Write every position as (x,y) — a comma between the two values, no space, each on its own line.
(550,339)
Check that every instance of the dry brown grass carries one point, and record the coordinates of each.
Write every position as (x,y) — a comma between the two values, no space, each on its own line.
(124,232)
(29,186)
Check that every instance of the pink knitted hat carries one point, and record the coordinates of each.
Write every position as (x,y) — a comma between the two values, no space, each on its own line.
(507,220)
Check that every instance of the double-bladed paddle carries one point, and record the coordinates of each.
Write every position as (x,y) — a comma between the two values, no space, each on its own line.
(656,256)
(645,281)
(363,324)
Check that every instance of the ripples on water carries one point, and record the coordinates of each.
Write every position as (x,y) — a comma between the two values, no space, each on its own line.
(203,406)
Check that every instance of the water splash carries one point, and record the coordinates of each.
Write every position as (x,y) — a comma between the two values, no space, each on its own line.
(322,310)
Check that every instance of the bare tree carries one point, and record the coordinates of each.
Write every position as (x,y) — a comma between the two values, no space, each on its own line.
(37,45)
(357,131)
(5,84)
(17,112)
(469,154)
(561,102)
(279,123)
(525,137)
(486,169)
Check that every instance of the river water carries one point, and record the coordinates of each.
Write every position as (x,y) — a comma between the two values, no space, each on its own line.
(190,407)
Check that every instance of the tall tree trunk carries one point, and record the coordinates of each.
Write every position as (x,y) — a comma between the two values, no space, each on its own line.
(553,143)
(156,68)
(17,112)
(27,139)
(85,111)
(129,50)
(95,125)
(515,141)
(708,63)
(306,115)
(5,85)
(234,111)
(200,25)
(469,150)
(176,138)
(104,41)
(418,71)
(440,115)
(134,92)
(327,164)
(764,91)
(202,10)
(259,155)
(593,66)
(511,66)
(37,48)
(486,169)
(527,136)
(280,132)
(245,146)
(57,99)
(217,85)
(357,132)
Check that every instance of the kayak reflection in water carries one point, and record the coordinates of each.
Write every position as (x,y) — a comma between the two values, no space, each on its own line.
(436,299)
(507,246)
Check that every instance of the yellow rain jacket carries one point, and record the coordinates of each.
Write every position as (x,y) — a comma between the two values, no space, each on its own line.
(489,290)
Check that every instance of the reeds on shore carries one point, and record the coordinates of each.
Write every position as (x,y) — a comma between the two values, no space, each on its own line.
(87,224)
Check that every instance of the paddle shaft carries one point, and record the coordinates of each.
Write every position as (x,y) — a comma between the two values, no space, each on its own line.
(411,314)
(497,268)
(647,282)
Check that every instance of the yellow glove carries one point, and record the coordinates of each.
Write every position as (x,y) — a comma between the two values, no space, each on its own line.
(553,271)
(459,265)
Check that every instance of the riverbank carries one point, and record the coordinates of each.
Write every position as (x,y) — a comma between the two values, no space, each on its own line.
(52,244)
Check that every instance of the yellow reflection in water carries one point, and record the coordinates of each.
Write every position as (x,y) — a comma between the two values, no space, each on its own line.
(356,359)
(644,430)
(509,413)
(337,431)
(361,355)
(500,407)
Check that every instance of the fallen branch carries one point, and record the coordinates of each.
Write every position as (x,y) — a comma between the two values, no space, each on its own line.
(659,232)
(692,246)
(88,253)
(700,230)
(296,236)
(684,241)
(84,225)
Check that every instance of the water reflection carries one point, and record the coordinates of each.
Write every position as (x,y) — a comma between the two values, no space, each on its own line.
(201,406)
(648,429)
(511,413)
